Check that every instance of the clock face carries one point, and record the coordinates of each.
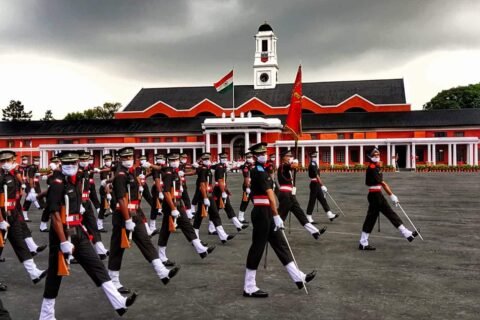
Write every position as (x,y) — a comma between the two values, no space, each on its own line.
(264,77)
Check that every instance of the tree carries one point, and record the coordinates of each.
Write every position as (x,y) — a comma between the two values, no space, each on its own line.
(48,116)
(465,97)
(107,111)
(16,112)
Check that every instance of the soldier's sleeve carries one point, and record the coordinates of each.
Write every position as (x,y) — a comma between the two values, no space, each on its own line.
(264,182)
(120,184)
(203,175)
(167,181)
(377,175)
(55,195)
(219,172)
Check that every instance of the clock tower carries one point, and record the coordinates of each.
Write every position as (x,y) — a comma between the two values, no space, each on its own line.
(265,66)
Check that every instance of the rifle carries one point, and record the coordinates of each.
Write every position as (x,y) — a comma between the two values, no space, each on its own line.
(64,262)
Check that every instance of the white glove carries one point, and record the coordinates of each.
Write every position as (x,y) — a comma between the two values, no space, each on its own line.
(109,197)
(181,189)
(140,189)
(224,195)
(141,176)
(24,186)
(278,223)
(181,173)
(129,224)
(32,196)
(295,161)
(161,196)
(103,183)
(96,170)
(66,247)
(82,209)
(206,202)
(37,174)
(394,199)
(247,190)
(44,178)
(195,165)
(175,213)
(4,225)
(324,189)
(146,165)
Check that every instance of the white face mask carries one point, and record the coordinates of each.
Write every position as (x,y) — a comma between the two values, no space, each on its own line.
(206,162)
(108,163)
(290,160)
(83,164)
(25,161)
(175,164)
(183,161)
(262,158)
(272,159)
(53,166)
(127,163)
(249,160)
(142,162)
(8,166)
(90,161)
(314,159)
(160,161)
(223,161)
(36,163)
(375,159)
(69,169)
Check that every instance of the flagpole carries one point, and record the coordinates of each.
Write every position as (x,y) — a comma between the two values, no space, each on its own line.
(233,92)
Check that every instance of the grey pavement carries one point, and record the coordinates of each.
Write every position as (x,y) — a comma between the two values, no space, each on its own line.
(438,278)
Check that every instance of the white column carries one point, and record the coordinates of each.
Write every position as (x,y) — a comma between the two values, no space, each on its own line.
(303,156)
(143,151)
(362,156)
(450,154)
(181,150)
(414,160)
(434,154)
(194,155)
(454,155)
(331,156)
(259,137)
(347,160)
(247,141)
(429,153)
(219,142)
(475,154)
(470,154)
(207,141)
(409,157)
(277,155)
(394,156)
(389,154)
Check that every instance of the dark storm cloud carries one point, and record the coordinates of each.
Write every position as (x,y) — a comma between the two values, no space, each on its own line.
(194,42)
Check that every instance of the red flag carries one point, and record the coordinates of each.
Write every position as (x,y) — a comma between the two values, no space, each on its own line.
(294,118)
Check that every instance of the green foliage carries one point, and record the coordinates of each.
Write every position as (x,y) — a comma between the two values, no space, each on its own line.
(48,116)
(465,97)
(107,111)
(16,112)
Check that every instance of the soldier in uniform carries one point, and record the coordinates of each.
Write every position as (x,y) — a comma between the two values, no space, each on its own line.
(272,169)
(91,186)
(174,213)
(25,181)
(317,190)
(184,172)
(128,215)
(377,203)
(53,166)
(267,223)
(13,219)
(33,188)
(245,169)
(157,194)
(204,188)
(67,235)
(106,176)
(144,192)
(286,197)
(221,194)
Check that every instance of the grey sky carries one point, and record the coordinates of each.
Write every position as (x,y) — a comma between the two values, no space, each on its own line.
(121,46)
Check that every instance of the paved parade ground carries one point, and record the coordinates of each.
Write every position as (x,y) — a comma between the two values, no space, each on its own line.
(438,278)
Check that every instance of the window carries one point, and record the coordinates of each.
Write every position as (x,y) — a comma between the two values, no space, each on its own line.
(439,155)
(11,144)
(156,139)
(65,141)
(340,156)
(264,45)
(27,143)
(169,139)
(341,136)
(90,141)
(354,155)
(143,140)
(182,139)
(326,156)
(459,134)
(440,134)
(314,136)
(419,154)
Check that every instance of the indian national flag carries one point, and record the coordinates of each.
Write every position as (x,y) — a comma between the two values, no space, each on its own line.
(224,84)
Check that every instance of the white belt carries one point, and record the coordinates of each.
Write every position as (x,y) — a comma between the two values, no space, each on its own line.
(286,188)
(314,179)
(375,188)
(261,201)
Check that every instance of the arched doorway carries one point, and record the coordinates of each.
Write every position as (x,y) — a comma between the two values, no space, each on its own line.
(237,147)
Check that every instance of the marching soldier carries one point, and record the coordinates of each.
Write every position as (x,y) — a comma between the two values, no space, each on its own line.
(245,169)
(317,190)
(206,203)
(33,188)
(91,187)
(174,214)
(12,217)
(23,172)
(127,218)
(221,194)
(141,175)
(266,229)
(377,203)
(53,165)
(286,197)
(106,176)
(184,173)
(157,194)
(272,169)
(68,237)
